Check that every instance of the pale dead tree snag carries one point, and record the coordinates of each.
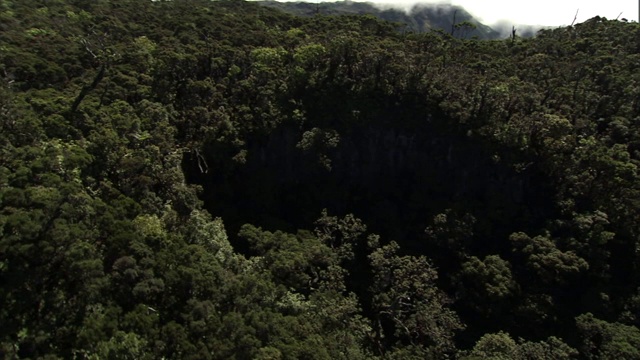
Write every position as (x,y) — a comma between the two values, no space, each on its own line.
(453,24)
(102,55)
(575,17)
(87,47)
(202,162)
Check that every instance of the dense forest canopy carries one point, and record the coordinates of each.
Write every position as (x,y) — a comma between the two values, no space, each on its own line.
(195,179)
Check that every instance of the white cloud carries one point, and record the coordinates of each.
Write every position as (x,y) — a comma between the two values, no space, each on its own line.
(548,12)
(538,12)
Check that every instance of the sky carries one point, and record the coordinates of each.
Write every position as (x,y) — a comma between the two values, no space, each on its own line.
(535,12)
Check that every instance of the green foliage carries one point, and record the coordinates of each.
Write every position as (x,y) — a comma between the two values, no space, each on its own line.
(502,346)
(406,299)
(129,129)
(341,235)
(319,141)
(493,273)
(549,263)
(483,284)
(601,339)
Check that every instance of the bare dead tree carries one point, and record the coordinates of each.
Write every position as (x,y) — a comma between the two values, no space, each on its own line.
(575,17)
(453,24)
(100,54)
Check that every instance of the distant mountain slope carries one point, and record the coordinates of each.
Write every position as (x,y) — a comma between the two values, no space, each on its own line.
(421,18)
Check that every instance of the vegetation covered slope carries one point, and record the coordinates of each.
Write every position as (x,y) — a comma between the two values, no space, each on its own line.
(501,179)
(420,18)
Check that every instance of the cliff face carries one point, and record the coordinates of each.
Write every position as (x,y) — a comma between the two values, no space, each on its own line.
(395,179)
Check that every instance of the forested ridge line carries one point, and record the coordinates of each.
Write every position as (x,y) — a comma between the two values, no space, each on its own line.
(196,179)
(421,17)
